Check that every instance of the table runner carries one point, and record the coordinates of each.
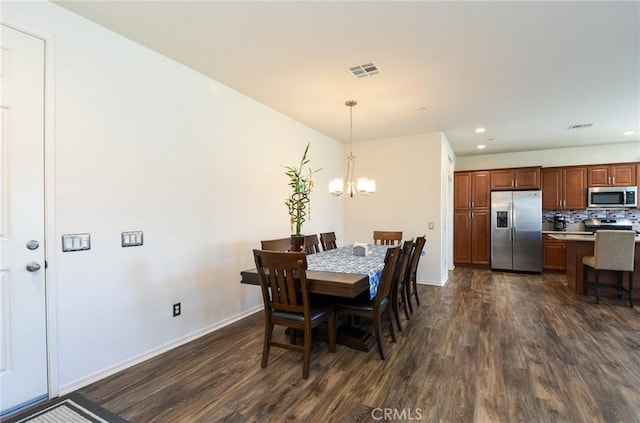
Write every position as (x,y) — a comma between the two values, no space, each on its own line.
(342,260)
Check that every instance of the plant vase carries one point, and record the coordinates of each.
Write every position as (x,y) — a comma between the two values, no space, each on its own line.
(297,243)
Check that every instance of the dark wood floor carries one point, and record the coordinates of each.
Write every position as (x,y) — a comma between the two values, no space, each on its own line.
(487,347)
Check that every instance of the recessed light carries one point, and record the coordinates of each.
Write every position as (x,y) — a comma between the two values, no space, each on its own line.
(629,133)
(481,147)
(479,130)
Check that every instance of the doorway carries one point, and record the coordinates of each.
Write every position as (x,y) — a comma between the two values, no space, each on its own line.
(23,324)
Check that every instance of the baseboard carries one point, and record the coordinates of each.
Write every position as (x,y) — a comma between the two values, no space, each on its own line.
(434,283)
(80,383)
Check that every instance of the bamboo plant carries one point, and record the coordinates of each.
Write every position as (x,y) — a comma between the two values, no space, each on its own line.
(299,203)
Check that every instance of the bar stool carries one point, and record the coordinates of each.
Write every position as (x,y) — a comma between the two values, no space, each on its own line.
(613,250)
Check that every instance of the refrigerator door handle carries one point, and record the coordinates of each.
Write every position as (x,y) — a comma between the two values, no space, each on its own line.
(513,221)
(510,211)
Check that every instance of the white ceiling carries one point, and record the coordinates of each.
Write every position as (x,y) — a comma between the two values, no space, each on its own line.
(525,71)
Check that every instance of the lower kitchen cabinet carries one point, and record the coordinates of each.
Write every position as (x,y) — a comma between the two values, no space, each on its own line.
(471,237)
(554,254)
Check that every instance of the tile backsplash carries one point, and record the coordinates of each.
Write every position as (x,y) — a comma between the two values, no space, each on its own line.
(575,218)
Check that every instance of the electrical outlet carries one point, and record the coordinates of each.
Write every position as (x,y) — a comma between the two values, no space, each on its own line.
(177,309)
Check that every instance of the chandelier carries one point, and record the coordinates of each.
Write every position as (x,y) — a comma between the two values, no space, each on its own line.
(351,185)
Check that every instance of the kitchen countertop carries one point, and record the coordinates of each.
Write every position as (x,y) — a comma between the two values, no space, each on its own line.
(567,232)
(580,236)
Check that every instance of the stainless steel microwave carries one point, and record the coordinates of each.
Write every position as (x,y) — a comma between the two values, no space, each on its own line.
(612,197)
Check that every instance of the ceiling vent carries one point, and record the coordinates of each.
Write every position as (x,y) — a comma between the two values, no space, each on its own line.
(580,126)
(362,71)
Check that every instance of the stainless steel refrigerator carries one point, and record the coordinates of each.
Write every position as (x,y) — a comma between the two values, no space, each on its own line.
(516,230)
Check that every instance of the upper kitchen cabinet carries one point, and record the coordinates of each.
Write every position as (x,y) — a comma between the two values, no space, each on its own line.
(518,178)
(472,201)
(471,190)
(564,188)
(613,175)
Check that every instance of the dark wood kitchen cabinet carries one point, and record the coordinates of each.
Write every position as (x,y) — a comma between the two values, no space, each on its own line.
(471,237)
(517,178)
(564,188)
(612,175)
(472,203)
(471,190)
(554,254)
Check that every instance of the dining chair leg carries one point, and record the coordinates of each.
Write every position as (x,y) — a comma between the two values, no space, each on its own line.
(405,300)
(396,311)
(306,351)
(631,289)
(415,290)
(378,334)
(619,284)
(407,289)
(393,332)
(268,333)
(597,288)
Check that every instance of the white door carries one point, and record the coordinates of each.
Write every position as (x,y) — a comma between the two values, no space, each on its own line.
(23,352)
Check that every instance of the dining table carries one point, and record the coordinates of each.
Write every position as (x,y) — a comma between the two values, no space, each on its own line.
(341,273)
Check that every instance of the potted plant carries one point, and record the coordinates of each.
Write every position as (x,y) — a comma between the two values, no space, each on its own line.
(299,202)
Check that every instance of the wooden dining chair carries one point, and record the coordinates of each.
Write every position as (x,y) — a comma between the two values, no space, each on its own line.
(398,291)
(387,237)
(286,303)
(282,244)
(328,241)
(373,309)
(411,284)
(311,244)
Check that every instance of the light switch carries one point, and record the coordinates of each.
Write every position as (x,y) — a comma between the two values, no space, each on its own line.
(76,242)
(431,225)
(132,239)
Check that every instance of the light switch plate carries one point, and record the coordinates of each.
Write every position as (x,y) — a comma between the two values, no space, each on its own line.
(132,239)
(76,242)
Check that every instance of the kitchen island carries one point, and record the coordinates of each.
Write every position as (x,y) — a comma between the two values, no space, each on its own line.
(581,245)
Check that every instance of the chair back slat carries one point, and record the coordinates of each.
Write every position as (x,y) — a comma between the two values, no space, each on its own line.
(281,244)
(387,237)
(386,279)
(402,265)
(283,280)
(328,241)
(283,289)
(311,244)
(415,256)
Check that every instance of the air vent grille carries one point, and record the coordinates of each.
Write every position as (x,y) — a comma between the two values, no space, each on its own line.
(580,126)
(362,71)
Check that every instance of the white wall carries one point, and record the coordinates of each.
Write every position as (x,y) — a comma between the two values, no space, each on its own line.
(144,143)
(611,153)
(410,188)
